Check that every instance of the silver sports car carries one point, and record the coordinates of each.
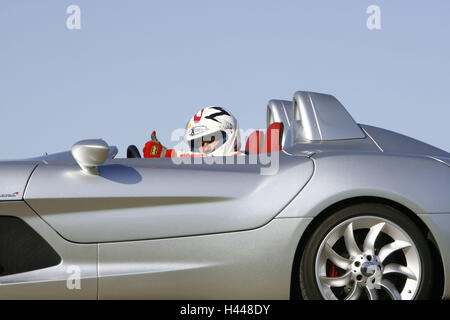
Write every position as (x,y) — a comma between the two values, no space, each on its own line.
(319,207)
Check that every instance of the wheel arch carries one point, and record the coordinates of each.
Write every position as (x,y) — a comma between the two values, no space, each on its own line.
(438,284)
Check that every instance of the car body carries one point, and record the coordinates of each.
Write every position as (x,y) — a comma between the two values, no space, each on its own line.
(160,229)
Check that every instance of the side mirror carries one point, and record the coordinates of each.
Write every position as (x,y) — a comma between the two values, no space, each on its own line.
(89,154)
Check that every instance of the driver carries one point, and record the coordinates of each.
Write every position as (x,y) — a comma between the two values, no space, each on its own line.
(211,132)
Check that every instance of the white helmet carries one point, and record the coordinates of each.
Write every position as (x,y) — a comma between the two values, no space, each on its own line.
(213,124)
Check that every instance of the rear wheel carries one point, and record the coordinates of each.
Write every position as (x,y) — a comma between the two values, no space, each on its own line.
(366,251)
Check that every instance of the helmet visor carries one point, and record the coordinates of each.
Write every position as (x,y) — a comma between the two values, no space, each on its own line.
(208,143)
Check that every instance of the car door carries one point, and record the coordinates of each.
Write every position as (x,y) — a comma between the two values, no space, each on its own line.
(136,199)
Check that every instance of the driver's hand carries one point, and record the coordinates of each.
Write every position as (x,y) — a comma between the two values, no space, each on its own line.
(154,149)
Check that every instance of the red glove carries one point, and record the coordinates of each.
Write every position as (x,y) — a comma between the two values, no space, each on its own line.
(154,149)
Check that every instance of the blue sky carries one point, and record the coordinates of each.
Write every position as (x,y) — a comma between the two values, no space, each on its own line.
(137,66)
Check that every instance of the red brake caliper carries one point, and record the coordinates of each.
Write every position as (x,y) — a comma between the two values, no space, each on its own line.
(333,270)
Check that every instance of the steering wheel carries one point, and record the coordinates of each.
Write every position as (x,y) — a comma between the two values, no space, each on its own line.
(133,152)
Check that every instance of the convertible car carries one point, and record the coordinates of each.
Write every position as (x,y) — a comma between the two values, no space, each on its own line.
(319,207)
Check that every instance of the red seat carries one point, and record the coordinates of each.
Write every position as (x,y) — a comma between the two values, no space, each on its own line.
(254,142)
(273,138)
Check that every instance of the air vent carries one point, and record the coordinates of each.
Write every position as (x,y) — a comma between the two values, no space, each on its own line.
(22,249)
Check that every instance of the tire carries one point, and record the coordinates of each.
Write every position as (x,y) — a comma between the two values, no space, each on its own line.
(366,251)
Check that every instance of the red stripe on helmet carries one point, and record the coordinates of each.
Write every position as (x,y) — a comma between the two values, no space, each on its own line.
(198,118)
